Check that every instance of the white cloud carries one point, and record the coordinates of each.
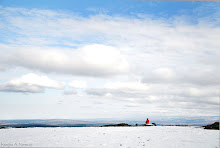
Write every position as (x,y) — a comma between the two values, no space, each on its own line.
(30,83)
(158,94)
(78,84)
(2,68)
(120,89)
(132,105)
(70,92)
(152,99)
(164,73)
(202,75)
(201,92)
(90,60)
(126,86)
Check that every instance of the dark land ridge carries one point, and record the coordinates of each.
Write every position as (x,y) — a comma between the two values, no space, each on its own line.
(214,126)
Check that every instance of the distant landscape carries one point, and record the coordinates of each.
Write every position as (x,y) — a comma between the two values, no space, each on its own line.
(95,123)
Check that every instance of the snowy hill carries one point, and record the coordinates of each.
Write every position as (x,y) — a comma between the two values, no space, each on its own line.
(133,137)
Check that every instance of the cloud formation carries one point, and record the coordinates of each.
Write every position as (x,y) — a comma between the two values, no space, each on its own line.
(78,84)
(148,43)
(31,83)
(90,60)
(201,76)
(169,65)
(184,96)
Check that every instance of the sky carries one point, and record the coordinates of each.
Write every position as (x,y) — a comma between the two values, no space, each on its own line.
(126,59)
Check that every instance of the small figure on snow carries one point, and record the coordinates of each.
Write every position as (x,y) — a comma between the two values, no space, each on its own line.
(147,121)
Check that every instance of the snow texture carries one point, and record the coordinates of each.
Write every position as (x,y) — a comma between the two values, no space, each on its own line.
(112,137)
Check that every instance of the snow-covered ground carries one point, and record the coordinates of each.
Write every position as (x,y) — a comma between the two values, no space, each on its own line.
(112,137)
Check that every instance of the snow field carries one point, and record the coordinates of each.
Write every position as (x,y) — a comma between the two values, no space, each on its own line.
(111,137)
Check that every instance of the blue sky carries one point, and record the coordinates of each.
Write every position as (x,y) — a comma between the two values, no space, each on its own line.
(119,7)
(109,59)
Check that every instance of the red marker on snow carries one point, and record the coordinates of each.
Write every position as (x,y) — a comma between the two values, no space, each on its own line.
(147,121)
